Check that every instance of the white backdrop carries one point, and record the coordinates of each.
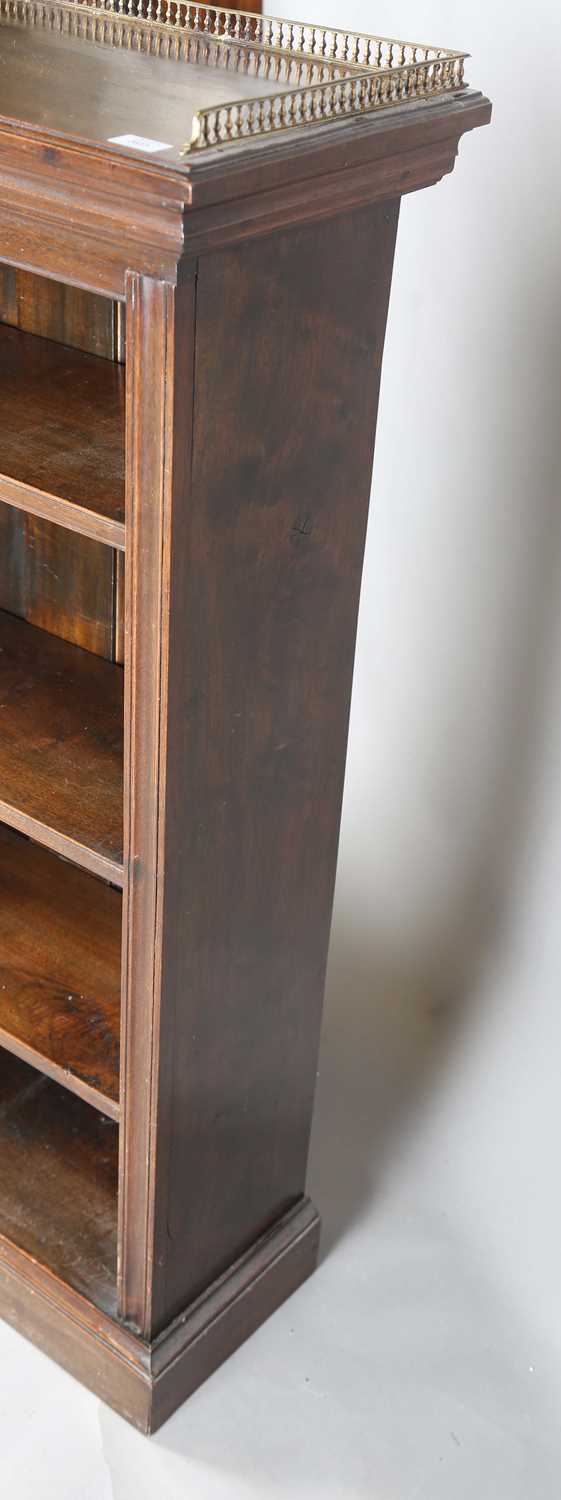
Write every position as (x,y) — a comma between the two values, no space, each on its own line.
(448,910)
(450,864)
(423,1362)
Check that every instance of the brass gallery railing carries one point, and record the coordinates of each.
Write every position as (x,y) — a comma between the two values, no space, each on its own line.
(324,73)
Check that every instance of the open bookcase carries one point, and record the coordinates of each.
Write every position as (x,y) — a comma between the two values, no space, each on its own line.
(198,212)
(62,538)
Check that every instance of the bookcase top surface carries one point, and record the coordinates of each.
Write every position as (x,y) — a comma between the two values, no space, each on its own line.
(168,82)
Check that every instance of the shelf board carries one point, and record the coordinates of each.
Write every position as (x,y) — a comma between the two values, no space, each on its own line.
(60,961)
(62,435)
(58,1181)
(61,747)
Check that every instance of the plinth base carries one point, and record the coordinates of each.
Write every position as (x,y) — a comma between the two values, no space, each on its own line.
(144,1382)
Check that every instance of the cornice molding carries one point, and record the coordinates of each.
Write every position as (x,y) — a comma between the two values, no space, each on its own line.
(64,203)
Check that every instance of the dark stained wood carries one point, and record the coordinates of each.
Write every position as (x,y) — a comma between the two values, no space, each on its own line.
(38,502)
(96,92)
(266,556)
(146,1382)
(58,1181)
(127,212)
(61,727)
(119,332)
(257,283)
(67,314)
(62,434)
(51,576)
(160,330)
(8,294)
(60,963)
(118,651)
(57,580)
(193,1346)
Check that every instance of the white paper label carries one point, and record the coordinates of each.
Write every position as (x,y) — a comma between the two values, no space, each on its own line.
(139,143)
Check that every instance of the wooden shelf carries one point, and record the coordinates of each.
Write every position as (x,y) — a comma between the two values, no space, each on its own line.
(60,962)
(58,1181)
(61,747)
(62,435)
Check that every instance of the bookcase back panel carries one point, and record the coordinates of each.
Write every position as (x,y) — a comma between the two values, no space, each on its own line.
(58,1154)
(58,580)
(54,578)
(56,311)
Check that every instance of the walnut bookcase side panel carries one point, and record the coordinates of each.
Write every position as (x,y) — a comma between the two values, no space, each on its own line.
(249,569)
(267,547)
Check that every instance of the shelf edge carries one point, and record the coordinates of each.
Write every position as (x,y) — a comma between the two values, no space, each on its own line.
(58,1074)
(62,512)
(60,843)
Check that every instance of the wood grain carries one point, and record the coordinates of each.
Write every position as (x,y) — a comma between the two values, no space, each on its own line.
(265,554)
(50,576)
(60,962)
(54,310)
(143,1381)
(58,1180)
(129,214)
(61,739)
(160,329)
(57,580)
(98,92)
(119,617)
(62,434)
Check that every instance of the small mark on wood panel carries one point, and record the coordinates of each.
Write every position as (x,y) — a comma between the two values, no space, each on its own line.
(303,526)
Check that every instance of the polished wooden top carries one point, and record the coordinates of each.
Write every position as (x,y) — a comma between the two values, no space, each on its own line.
(168,80)
(94,92)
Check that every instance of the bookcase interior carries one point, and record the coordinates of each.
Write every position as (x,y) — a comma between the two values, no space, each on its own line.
(62,540)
